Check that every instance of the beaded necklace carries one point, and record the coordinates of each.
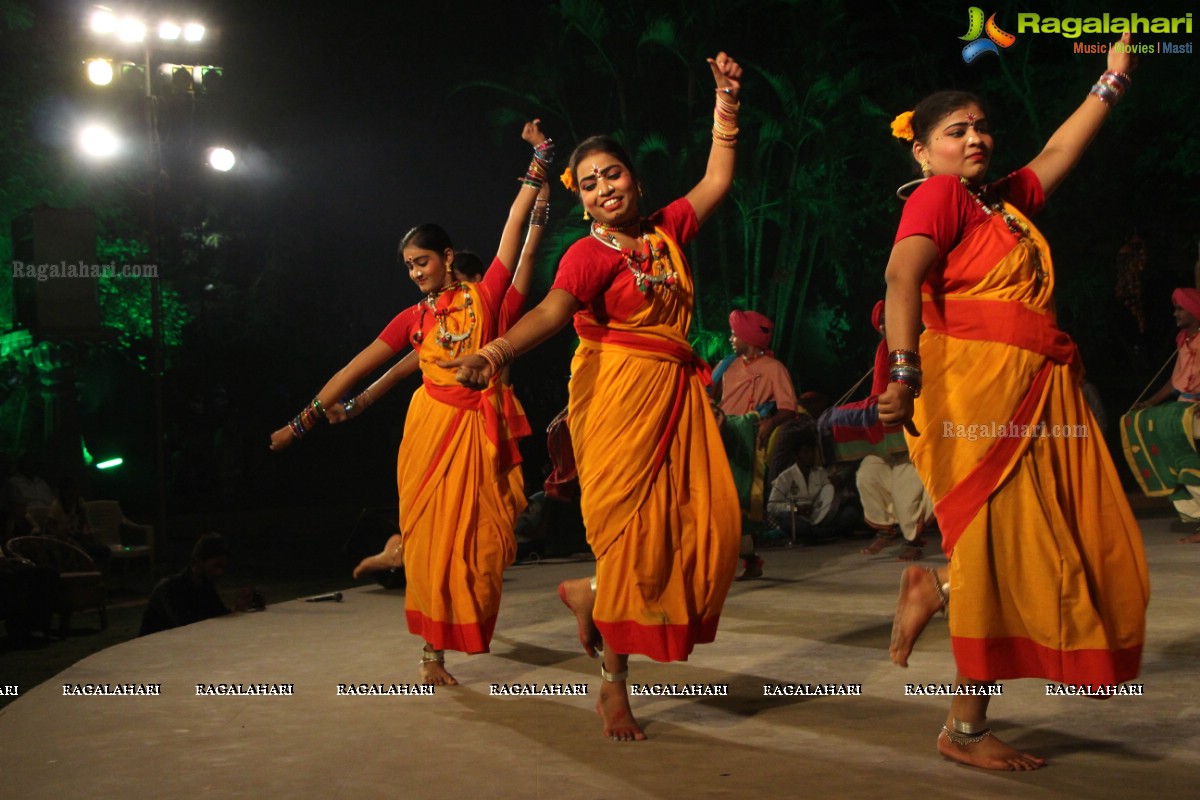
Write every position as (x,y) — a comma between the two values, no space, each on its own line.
(993,206)
(651,251)
(444,337)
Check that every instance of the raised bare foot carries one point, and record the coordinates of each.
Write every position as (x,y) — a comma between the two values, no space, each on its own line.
(1193,539)
(391,557)
(433,672)
(988,753)
(578,596)
(918,603)
(613,708)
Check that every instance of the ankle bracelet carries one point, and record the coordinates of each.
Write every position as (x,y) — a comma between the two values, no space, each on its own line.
(613,677)
(965,733)
(942,589)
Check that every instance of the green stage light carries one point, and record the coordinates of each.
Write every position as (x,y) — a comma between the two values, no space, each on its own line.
(110,463)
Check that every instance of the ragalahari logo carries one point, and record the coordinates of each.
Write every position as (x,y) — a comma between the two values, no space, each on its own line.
(977,45)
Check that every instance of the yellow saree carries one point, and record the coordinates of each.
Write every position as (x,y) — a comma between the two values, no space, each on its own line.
(1047,574)
(461,490)
(657,495)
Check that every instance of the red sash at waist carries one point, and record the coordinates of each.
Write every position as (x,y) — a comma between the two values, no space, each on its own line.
(674,351)
(1003,321)
(503,420)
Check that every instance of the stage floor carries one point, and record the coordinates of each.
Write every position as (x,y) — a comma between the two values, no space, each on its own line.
(821,615)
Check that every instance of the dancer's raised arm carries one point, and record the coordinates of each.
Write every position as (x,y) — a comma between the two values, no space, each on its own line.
(706,195)
(1067,145)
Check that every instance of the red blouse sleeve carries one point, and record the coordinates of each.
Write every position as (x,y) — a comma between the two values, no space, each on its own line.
(510,312)
(678,220)
(587,269)
(940,209)
(1023,189)
(398,333)
(493,286)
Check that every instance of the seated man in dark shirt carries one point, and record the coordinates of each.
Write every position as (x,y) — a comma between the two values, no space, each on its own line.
(191,595)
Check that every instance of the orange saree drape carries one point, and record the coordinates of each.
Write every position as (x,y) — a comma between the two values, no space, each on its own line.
(658,498)
(1047,573)
(461,489)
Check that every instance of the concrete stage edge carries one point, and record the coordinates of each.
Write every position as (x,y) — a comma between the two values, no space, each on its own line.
(820,615)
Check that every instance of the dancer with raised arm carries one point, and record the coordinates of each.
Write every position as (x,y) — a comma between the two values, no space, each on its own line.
(458,468)
(658,499)
(1047,576)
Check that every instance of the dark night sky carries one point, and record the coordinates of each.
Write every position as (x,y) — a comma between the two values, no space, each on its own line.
(352,131)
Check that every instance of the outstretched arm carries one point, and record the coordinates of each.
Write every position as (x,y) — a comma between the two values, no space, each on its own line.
(706,195)
(340,412)
(363,364)
(531,185)
(1066,146)
(538,325)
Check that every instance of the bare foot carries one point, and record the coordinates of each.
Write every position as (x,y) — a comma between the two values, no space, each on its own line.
(391,557)
(613,708)
(918,603)
(578,596)
(1193,539)
(434,673)
(881,541)
(988,753)
(912,552)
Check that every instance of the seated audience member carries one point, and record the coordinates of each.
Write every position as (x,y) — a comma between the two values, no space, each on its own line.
(191,595)
(803,501)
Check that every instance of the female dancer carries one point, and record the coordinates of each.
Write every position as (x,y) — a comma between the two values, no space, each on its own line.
(658,499)
(392,554)
(458,467)
(1046,567)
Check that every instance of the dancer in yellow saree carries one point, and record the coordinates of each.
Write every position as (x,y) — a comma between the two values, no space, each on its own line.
(658,499)
(1047,574)
(458,467)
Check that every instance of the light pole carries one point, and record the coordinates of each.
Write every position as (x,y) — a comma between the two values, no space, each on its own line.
(132,31)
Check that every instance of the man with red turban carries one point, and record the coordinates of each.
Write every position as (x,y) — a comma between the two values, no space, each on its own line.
(754,393)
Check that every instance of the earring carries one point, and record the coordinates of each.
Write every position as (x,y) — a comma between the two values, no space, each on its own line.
(925,169)
(586,217)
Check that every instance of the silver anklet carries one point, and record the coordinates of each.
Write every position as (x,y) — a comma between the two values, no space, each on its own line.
(433,657)
(965,733)
(942,589)
(613,677)
(592,583)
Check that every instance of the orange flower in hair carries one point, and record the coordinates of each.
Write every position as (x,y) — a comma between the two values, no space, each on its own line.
(902,126)
(568,180)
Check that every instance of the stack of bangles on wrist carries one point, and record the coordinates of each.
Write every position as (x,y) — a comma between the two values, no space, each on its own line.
(498,353)
(357,404)
(541,213)
(1111,86)
(725,118)
(543,156)
(307,419)
(905,368)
